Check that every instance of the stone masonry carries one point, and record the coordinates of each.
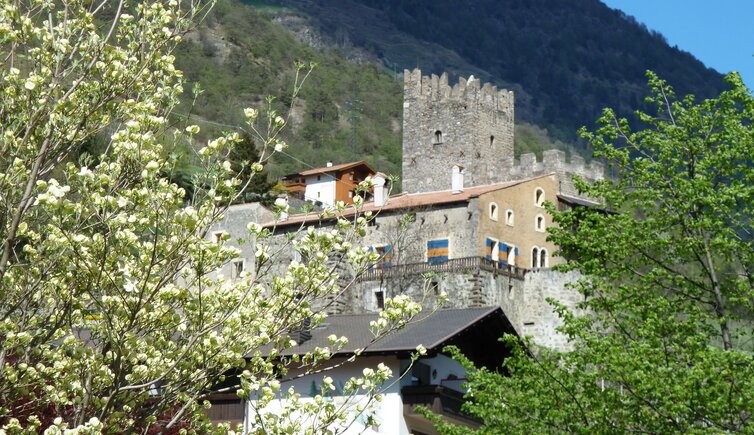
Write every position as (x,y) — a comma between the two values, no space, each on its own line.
(467,125)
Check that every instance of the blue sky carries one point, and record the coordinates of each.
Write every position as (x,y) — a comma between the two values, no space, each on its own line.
(720,33)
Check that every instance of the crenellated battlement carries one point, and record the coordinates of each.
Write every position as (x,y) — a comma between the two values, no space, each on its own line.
(470,125)
(467,91)
(467,125)
(553,161)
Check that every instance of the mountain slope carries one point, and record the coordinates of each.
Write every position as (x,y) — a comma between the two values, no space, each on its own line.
(565,59)
(346,111)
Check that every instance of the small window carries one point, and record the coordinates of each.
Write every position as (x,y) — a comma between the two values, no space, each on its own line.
(437,251)
(492,141)
(350,176)
(379,297)
(509,217)
(535,257)
(237,268)
(438,137)
(539,197)
(385,256)
(543,258)
(218,236)
(493,211)
(539,223)
(319,177)
(434,287)
(350,193)
(319,195)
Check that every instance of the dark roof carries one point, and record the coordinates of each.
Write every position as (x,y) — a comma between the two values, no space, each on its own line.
(573,200)
(582,202)
(433,330)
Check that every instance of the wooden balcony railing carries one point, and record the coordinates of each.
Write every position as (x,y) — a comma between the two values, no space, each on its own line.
(440,400)
(454,265)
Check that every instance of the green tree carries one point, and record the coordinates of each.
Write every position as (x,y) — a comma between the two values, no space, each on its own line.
(664,341)
(114,313)
(258,184)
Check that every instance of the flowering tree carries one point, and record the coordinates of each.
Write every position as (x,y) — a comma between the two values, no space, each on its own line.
(112,313)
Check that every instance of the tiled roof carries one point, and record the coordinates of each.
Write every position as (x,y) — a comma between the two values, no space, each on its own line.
(432,330)
(409,200)
(334,168)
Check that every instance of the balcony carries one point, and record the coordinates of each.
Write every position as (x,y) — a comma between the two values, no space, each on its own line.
(454,265)
(438,399)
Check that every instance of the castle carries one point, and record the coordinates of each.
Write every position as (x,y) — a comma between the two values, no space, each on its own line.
(476,213)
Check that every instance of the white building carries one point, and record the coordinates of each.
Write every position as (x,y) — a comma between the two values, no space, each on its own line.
(434,381)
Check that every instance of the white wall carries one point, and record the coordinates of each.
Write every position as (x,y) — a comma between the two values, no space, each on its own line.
(388,412)
(320,190)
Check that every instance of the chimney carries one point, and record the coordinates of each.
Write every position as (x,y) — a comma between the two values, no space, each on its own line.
(456,182)
(329,164)
(380,189)
(282,204)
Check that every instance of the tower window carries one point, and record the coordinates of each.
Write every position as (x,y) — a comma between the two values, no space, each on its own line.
(539,197)
(543,258)
(438,137)
(492,141)
(539,223)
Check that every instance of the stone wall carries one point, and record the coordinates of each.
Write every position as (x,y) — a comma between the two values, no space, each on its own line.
(553,162)
(475,122)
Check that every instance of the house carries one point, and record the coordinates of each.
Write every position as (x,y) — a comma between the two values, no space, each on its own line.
(471,213)
(471,224)
(434,380)
(328,184)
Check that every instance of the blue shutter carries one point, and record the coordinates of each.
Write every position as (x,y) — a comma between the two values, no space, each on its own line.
(437,250)
(502,253)
(387,259)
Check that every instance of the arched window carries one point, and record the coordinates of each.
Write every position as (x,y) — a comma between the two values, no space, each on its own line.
(539,197)
(512,254)
(493,211)
(492,141)
(543,257)
(438,137)
(509,217)
(539,223)
(535,257)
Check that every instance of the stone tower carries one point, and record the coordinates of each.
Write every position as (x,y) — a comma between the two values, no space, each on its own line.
(465,126)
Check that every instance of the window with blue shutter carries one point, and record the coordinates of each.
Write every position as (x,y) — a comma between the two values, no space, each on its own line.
(488,248)
(503,249)
(385,256)
(437,251)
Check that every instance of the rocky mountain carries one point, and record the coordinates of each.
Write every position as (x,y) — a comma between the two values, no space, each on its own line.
(564,59)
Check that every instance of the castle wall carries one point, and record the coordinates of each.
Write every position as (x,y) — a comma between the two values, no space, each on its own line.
(553,161)
(475,124)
